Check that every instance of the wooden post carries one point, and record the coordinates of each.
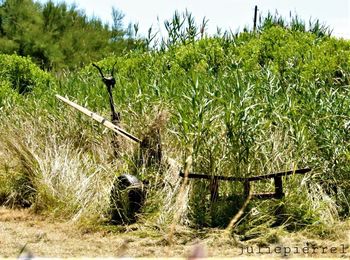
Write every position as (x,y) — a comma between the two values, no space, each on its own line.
(214,189)
(246,188)
(255,17)
(278,187)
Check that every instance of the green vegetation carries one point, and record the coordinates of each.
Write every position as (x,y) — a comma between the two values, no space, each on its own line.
(59,36)
(23,75)
(235,105)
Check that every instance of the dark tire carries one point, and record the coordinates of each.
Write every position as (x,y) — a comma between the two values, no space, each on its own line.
(127,198)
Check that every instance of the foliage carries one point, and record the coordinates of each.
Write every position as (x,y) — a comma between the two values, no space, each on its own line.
(59,36)
(240,105)
(294,24)
(22,75)
(250,104)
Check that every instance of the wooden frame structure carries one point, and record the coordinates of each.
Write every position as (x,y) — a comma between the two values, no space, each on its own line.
(214,183)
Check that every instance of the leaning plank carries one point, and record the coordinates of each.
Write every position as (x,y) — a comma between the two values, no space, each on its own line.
(101,120)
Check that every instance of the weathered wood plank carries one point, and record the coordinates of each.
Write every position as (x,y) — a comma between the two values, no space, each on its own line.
(242,179)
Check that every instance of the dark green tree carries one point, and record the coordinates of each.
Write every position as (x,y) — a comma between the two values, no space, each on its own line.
(59,35)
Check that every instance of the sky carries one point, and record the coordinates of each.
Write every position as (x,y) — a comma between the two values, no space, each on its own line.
(226,14)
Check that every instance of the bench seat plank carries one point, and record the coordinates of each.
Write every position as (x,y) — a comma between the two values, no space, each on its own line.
(241,179)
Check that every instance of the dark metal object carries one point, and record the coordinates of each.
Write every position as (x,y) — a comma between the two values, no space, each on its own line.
(150,145)
(278,194)
(127,198)
(110,83)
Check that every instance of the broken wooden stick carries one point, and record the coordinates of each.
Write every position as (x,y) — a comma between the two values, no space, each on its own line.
(100,119)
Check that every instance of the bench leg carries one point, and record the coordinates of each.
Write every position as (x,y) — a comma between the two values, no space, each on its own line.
(246,189)
(278,188)
(214,189)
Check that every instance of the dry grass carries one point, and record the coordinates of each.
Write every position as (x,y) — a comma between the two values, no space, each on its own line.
(73,180)
(53,238)
(66,180)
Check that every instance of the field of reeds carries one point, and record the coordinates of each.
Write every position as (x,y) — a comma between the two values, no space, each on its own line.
(242,104)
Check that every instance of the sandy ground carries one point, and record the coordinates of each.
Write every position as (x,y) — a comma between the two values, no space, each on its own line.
(21,231)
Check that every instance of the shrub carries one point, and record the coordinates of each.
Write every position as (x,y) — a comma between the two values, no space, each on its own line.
(22,74)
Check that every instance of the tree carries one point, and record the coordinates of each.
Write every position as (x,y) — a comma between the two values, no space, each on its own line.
(20,21)
(57,35)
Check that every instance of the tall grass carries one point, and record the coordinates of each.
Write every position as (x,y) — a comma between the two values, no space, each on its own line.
(239,105)
(65,178)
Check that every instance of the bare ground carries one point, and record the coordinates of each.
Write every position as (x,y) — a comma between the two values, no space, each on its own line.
(23,231)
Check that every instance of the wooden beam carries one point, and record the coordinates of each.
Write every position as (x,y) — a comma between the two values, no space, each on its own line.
(100,119)
(241,179)
(279,174)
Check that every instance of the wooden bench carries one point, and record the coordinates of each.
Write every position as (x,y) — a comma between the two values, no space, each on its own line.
(278,194)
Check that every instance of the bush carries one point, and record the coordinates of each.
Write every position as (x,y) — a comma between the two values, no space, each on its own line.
(22,74)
